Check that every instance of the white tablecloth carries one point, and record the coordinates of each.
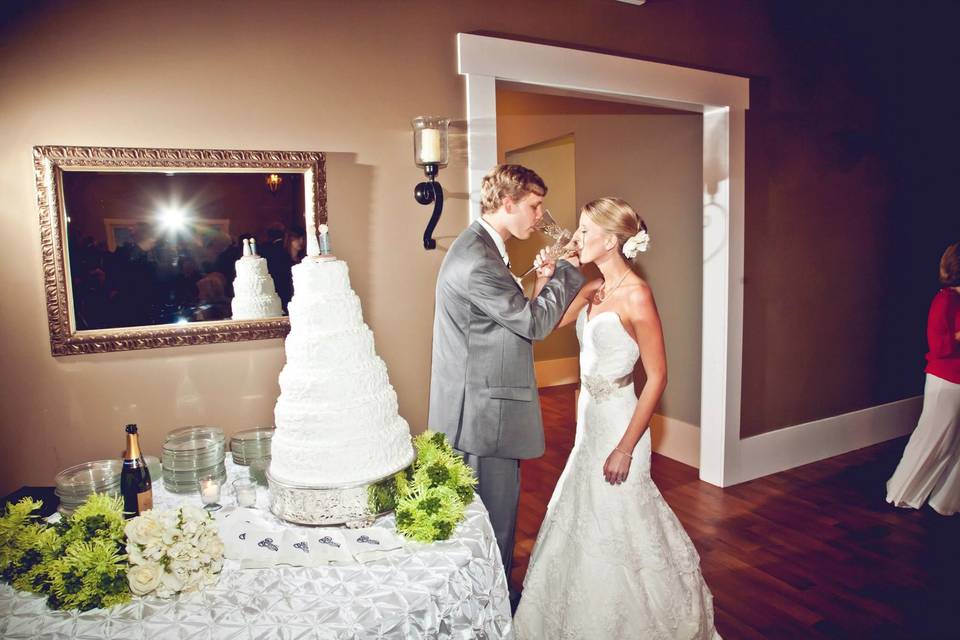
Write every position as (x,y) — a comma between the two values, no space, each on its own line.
(451,589)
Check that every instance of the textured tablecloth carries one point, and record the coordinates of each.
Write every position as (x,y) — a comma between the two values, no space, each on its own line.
(451,589)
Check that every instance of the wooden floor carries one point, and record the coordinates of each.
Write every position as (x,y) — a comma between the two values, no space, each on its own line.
(813,552)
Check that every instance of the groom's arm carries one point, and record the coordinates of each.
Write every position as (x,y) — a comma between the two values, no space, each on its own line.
(498,297)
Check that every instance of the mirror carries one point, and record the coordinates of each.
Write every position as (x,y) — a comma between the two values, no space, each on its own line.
(140,246)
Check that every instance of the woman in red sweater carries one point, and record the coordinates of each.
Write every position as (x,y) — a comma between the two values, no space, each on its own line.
(930,467)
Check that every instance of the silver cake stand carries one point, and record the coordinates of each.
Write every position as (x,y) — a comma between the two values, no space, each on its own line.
(348,504)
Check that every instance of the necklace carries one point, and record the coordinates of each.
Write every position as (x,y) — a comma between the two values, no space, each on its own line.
(603,293)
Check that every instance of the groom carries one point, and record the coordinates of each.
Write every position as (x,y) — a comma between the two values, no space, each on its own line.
(483,394)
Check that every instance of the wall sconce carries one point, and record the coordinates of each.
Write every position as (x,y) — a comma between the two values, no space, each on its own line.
(430,153)
(273,182)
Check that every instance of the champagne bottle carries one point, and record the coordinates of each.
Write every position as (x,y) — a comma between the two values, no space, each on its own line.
(135,485)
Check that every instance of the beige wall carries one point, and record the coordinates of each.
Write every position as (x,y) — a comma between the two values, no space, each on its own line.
(345,78)
(653,159)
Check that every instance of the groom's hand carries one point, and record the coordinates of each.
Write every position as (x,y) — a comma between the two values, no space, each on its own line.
(545,264)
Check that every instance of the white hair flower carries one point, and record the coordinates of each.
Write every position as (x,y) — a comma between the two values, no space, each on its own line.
(323,229)
(637,244)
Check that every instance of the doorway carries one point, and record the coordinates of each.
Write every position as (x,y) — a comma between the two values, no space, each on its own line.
(650,157)
(722,101)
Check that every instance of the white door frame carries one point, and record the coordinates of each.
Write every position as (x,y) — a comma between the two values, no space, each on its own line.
(723,101)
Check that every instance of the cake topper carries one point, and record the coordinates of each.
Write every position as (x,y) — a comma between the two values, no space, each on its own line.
(313,244)
(253,246)
(324,240)
(246,247)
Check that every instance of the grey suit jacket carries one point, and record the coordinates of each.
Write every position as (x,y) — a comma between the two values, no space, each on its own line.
(482,388)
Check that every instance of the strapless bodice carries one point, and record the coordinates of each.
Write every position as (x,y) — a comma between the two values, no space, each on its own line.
(606,349)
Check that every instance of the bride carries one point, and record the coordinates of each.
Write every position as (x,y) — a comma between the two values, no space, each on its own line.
(611,559)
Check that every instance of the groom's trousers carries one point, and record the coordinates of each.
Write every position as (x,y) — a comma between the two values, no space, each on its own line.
(498,485)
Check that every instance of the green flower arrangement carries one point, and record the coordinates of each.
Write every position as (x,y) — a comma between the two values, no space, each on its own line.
(20,544)
(431,497)
(78,563)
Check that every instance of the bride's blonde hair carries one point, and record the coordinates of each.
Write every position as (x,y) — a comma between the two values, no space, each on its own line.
(615,216)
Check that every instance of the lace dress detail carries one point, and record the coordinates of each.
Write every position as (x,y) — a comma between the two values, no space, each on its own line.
(611,561)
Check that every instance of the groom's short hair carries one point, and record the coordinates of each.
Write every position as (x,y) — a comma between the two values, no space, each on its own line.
(512,181)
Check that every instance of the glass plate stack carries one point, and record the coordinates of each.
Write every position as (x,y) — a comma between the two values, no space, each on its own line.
(190,453)
(252,448)
(250,445)
(75,484)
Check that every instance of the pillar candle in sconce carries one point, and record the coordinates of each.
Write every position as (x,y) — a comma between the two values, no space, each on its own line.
(430,152)
(430,140)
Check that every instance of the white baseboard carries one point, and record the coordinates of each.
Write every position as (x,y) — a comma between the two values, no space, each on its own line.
(802,444)
(676,440)
(552,373)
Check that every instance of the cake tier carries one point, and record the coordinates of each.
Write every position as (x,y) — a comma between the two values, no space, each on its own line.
(323,314)
(247,307)
(350,385)
(251,266)
(308,455)
(333,417)
(253,286)
(321,278)
(332,351)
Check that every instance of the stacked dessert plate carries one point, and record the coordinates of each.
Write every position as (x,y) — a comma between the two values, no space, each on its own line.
(251,445)
(252,449)
(190,453)
(75,484)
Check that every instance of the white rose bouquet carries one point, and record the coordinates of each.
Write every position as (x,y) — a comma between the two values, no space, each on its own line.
(172,551)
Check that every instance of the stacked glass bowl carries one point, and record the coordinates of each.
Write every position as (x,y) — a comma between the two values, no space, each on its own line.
(251,447)
(75,484)
(190,453)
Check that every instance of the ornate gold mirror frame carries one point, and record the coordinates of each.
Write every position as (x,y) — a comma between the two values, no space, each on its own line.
(49,164)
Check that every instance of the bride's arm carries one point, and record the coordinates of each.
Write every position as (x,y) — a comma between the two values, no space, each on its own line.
(645,322)
(583,296)
(582,299)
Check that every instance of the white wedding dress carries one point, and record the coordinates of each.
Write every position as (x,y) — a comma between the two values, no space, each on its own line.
(611,561)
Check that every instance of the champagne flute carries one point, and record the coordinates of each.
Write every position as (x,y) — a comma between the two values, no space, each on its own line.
(561,238)
(556,250)
(548,226)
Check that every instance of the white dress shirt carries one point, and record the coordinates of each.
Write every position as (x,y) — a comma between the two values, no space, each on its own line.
(497,240)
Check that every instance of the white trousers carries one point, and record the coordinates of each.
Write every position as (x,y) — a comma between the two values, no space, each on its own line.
(930,467)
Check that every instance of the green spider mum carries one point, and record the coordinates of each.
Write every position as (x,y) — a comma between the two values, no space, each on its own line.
(430,514)
(89,574)
(101,516)
(19,539)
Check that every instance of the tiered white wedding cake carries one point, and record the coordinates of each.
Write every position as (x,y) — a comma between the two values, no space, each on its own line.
(254,294)
(336,417)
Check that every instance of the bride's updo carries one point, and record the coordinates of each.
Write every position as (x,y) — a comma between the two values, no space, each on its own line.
(615,216)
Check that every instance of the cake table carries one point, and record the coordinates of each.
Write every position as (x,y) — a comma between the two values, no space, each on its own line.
(450,589)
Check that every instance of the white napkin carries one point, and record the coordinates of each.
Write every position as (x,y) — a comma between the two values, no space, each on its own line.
(261,549)
(373,543)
